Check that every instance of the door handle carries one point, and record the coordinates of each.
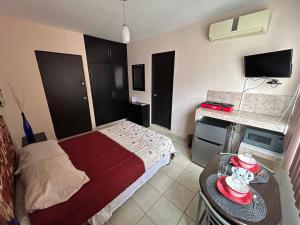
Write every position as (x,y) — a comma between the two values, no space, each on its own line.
(154,95)
(85,98)
(211,142)
(82,83)
(109,52)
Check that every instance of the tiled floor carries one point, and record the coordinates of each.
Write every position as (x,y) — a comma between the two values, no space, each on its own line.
(169,197)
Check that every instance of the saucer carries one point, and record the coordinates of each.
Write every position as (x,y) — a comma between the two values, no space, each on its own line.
(235,162)
(245,162)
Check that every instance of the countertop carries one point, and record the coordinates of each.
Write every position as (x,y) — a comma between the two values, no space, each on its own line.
(267,122)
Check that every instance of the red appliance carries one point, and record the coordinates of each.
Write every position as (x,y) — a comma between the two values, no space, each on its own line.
(217,106)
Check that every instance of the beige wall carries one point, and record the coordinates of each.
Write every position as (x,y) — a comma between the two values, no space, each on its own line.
(18,65)
(201,65)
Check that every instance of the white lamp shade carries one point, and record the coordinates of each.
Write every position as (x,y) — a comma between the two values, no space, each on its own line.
(125,34)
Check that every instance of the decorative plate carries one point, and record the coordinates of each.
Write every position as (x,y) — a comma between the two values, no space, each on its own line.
(235,162)
(221,185)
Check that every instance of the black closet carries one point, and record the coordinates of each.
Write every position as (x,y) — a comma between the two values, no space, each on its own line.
(107,62)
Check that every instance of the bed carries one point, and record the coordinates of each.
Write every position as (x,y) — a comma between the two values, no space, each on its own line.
(140,153)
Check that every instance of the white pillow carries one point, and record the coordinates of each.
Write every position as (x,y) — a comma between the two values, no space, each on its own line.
(39,152)
(48,175)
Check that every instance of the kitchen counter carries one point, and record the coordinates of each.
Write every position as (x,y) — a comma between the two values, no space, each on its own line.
(267,122)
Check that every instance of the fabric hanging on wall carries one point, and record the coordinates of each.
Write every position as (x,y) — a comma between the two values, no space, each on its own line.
(292,137)
(295,174)
(291,160)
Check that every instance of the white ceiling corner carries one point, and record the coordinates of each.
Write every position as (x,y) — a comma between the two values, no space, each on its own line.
(104,18)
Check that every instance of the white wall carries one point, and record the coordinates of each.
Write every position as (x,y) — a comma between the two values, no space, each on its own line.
(18,66)
(201,65)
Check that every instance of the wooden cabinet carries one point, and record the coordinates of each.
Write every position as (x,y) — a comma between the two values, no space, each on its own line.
(107,62)
(97,50)
(139,113)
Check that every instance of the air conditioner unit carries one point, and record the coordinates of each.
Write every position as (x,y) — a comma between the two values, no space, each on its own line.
(251,24)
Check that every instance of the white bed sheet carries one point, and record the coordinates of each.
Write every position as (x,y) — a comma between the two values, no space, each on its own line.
(153,148)
(145,143)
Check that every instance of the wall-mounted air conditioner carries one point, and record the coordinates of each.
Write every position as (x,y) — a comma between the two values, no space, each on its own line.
(251,24)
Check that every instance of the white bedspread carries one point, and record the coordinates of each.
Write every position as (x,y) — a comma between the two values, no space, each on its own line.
(145,143)
(153,148)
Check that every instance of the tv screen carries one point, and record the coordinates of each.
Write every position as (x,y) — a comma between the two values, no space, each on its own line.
(138,77)
(271,64)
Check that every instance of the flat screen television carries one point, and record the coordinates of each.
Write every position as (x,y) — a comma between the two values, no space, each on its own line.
(271,64)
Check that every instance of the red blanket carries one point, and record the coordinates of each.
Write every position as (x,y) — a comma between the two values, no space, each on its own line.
(111,169)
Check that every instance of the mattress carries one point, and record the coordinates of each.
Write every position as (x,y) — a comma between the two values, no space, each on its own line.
(154,149)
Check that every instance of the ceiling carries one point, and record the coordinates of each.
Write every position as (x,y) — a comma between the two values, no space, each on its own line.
(104,18)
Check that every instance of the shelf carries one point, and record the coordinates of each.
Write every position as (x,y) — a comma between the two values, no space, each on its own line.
(260,152)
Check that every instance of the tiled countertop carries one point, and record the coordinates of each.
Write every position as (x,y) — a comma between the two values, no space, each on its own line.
(267,122)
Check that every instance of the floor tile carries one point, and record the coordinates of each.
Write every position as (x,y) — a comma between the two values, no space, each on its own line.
(189,180)
(164,213)
(186,220)
(145,221)
(180,143)
(145,197)
(179,196)
(172,170)
(121,215)
(194,168)
(181,160)
(108,223)
(193,208)
(161,182)
(183,149)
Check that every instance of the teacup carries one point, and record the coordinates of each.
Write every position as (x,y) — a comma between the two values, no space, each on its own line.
(236,186)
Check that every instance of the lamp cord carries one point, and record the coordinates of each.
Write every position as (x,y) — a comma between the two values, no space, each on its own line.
(124,13)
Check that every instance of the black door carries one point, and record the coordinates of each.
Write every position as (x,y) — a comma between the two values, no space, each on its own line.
(162,88)
(102,84)
(64,85)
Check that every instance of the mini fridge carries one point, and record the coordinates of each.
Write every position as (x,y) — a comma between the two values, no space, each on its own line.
(210,138)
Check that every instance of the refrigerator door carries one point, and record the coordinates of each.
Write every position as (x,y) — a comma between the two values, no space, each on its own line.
(203,151)
(211,130)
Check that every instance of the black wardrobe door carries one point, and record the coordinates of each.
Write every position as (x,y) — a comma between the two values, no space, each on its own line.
(64,85)
(98,50)
(102,82)
(162,88)
(119,60)
(118,53)
(121,98)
